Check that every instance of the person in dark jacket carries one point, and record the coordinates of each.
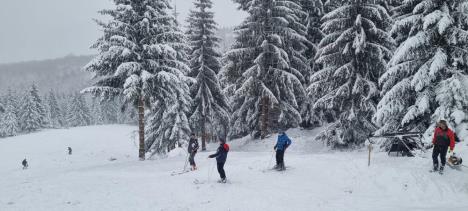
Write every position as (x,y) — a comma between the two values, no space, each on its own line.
(221,156)
(282,144)
(70,151)
(442,140)
(192,150)
(25,164)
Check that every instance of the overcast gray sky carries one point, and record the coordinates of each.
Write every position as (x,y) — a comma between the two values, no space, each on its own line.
(43,29)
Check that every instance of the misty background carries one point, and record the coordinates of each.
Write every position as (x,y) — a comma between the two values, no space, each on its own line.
(45,38)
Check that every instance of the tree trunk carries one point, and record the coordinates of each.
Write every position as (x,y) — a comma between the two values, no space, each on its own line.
(265,113)
(203,133)
(141,127)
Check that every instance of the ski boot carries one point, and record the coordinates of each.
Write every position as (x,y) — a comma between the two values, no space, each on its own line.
(223,180)
(441,170)
(281,167)
(436,168)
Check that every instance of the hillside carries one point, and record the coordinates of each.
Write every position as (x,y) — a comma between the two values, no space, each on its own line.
(317,179)
(63,74)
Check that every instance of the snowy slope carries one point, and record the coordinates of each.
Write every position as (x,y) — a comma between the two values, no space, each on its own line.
(318,179)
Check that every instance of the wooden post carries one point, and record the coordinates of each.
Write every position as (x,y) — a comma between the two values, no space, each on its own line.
(370,149)
(141,127)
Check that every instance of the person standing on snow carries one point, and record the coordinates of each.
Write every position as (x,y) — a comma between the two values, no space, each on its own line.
(192,150)
(282,144)
(221,156)
(69,150)
(442,140)
(25,164)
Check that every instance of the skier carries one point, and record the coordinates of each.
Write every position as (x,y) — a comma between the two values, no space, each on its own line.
(25,164)
(221,155)
(192,150)
(282,144)
(69,150)
(442,140)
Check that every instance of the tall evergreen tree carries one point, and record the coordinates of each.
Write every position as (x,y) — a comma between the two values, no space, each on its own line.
(210,106)
(138,59)
(33,113)
(427,76)
(270,89)
(353,54)
(78,113)
(314,11)
(54,112)
(9,125)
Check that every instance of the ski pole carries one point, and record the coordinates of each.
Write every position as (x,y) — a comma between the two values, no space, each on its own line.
(271,158)
(186,161)
(209,172)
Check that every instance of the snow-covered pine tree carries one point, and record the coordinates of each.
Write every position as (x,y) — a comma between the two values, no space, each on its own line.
(270,89)
(427,76)
(2,108)
(137,59)
(9,125)
(171,96)
(354,54)
(210,108)
(33,113)
(54,112)
(109,111)
(314,11)
(78,112)
(95,109)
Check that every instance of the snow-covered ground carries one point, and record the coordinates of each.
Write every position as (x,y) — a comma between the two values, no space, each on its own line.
(317,179)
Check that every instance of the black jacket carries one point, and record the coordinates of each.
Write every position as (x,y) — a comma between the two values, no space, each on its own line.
(193,145)
(221,153)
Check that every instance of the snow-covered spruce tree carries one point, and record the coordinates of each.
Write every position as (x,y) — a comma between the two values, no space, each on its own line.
(137,59)
(314,11)
(95,109)
(210,108)
(54,112)
(79,113)
(109,111)
(2,108)
(270,89)
(33,113)
(230,76)
(9,125)
(354,54)
(426,79)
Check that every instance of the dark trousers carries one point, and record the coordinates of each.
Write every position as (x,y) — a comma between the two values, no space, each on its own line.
(192,158)
(221,172)
(279,157)
(439,150)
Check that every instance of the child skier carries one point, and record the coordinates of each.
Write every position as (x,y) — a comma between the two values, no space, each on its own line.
(192,150)
(25,164)
(442,140)
(282,144)
(221,155)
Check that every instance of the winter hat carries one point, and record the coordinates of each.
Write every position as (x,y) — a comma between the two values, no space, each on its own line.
(222,140)
(443,122)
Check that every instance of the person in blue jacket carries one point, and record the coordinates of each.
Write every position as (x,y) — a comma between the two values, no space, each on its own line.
(221,156)
(281,145)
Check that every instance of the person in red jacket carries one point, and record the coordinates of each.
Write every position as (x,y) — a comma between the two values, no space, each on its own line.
(442,140)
